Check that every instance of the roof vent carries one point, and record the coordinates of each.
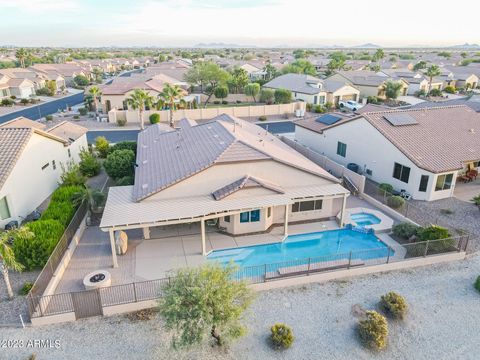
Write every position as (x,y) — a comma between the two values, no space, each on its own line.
(144,161)
(471,131)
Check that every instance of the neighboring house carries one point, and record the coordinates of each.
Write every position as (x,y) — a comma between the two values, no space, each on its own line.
(30,163)
(66,71)
(422,151)
(226,173)
(416,80)
(368,82)
(472,102)
(313,90)
(255,71)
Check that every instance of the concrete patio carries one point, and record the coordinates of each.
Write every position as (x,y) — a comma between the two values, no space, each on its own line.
(466,191)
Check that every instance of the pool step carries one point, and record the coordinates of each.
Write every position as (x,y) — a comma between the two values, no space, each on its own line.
(231,254)
(360,229)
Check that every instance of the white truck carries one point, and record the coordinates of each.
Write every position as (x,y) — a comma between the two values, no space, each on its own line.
(350,104)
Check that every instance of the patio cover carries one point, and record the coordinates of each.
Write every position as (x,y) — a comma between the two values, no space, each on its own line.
(121,211)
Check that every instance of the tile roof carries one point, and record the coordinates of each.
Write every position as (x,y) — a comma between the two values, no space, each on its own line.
(68,131)
(245,182)
(473,103)
(22,122)
(12,143)
(164,159)
(296,83)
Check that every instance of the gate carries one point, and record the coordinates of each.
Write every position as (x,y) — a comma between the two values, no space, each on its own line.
(87,303)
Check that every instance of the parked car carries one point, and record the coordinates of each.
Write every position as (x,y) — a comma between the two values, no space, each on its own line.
(350,104)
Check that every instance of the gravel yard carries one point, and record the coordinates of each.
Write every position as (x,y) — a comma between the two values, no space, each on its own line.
(442,323)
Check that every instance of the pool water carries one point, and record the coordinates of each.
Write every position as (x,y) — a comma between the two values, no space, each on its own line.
(364,219)
(319,246)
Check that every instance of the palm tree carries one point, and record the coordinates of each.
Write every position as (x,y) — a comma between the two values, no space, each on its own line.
(392,89)
(432,71)
(95,92)
(7,255)
(21,54)
(93,198)
(169,96)
(139,100)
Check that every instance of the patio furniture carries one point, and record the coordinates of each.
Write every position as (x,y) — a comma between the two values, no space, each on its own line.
(463,178)
(405,195)
(472,174)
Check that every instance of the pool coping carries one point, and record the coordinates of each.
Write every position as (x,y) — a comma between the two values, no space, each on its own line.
(384,226)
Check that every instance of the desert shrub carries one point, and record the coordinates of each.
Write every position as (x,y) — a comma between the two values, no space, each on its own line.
(385,188)
(24,101)
(89,165)
(7,102)
(102,146)
(319,109)
(129,145)
(281,336)
(80,80)
(154,118)
(262,118)
(372,100)
(13,97)
(71,175)
(443,242)
(267,96)
(83,111)
(120,163)
(224,102)
(124,181)
(405,230)
(60,211)
(477,284)
(49,117)
(373,331)
(394,305)
(309,107)
(395,202)
(27,286)
(65,193)
(449,89)
(476,200)
(34,253)
(45,91)
(121,122)
(435,92)
(76,117)
(282,96)
(216,102)
(420,93)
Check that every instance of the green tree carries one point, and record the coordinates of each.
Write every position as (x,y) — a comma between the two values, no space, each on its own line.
(392,89)
(335,64)
(139,100)
(238,80)
(120,163)
(7,256)
(80,80)
(420,65)
(267,96)
(102,146)
(299,54)
(204,302)
(379,54)
(252,90)
(300,66)
(21,55)
(432,71)
(207,74)
(93,198)
(282,96)
(270,72)
(221,92)
(95,92)
(89,165)
(97,74)
(170,96)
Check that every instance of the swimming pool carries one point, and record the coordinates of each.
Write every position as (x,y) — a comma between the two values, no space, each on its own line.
(330,245)
(363,219)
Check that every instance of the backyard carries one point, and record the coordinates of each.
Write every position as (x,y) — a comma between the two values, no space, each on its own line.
(442,323)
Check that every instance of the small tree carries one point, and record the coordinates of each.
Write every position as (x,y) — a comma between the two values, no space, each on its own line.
(282,96)
(139,100)
(221,92)
(120,163)
(170,95)
(203,301)
(392,89)
(102,146)
(431,72)
(71,175)
(89,165)
(95,93)
(7,256)
(252,90)
(80,80)
(267,96)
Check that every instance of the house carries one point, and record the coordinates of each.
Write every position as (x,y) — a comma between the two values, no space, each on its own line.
(464,78)
(313,90)
(416,80)
(227,173)
(472,102)
(368,82)
(254,70)
(422,150)
(30,163)
(66,71)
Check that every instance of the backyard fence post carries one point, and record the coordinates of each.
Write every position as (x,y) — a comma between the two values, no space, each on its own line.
(406,209)
(466,243)
(308,269)
(426,249)
(349,260)
(135,292)
(265,273)
(388,254)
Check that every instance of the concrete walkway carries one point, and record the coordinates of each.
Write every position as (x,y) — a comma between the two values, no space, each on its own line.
(466,191)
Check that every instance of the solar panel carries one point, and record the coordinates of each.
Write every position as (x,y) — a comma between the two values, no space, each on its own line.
(328,119)
(400,119)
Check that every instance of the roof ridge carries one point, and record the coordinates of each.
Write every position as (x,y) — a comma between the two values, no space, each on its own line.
(415,109)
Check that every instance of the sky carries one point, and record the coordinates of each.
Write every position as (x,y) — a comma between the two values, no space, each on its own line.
(268,23)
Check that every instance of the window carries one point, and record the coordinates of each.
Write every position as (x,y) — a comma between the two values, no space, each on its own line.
(369,172)
(322,99)
(341,149)
(401,172)
(54,165)
(227,218)
(307,205)
(250,216)
(45,166)
(444,182)
(423,183)
(315,99)
(4,210)
(269,212)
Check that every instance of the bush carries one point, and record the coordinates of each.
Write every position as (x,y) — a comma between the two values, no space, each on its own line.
(82,111)
(308,107)
(476,200)
(27,286)
(435,92)
(282,96)
(7,102)
(373,331)
(394,305)
(24,101)
(45,91)
(80,80)
(405,230)
(385,188)
(154,118)
(319,109)
(71,175)
(121,122)
(262,118)
(76,117)
(477,284)
(65,193)
(221,92)
(102,146)
(120,163)
(443,242)
(282,336)
(395,202)
(449,89)
(34,253)
(216,102)
(128,145)
(49,117)
(224,102)
(372,100)
(267,96)
(124,181)
(89,165)
(60,211)
(13,97)
(420,93)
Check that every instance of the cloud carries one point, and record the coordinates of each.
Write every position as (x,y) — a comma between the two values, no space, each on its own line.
(40,6)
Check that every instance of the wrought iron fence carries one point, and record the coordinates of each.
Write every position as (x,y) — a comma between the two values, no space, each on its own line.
(150,290)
